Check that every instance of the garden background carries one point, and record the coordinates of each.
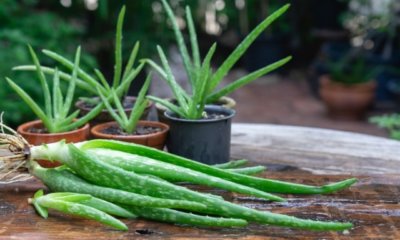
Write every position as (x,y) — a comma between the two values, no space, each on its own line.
(316,33)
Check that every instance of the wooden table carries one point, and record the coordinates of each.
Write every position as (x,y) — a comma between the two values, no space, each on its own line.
(303,155)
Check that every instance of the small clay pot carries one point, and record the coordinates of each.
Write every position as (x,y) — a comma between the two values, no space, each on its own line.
(77,135)
(224,101)
(344,101)
(104,115)
(155,140)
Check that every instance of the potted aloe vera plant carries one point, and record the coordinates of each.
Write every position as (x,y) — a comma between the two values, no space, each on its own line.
(197,130)
(121,79)
(349,88)
(56,122)
(129,128)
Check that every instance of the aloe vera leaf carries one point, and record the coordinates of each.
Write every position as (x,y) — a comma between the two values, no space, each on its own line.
(118,48)
(178,217)
(176,89)
(64,76)
(180,41)
(231,164)
(43,82)
(140,105)
(32,104)
(71,88)
(64,180)
(105,86)
(131,59)
(193,38)
(120,108)
(70,65)
(124,86)
(82,211)
(246,79)
(167,104)
(264,184)
(243,46)
(111,110)
(248,170)
(57,96)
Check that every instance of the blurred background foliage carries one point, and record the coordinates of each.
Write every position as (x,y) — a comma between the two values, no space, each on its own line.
(312,31)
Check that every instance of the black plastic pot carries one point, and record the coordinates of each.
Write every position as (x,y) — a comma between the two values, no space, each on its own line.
(206,140)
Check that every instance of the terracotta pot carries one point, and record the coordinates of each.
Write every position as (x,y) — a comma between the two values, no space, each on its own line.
(78,135)
(105,116)
(346,101)
(224,101)
(155,140)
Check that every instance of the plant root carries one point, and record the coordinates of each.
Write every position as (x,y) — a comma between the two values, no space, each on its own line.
(14,154)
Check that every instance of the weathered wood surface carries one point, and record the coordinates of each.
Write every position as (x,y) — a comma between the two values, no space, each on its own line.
(321,155)
(318,150)
(372,205)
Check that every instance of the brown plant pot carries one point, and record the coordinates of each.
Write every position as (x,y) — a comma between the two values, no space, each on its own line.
(104,115)
(224,101)
(78,135)
(155,140)
(347,102)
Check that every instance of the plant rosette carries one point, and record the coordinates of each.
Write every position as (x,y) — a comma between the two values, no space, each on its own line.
(205,140)
(226,102)
(346,101)
(36,135)
(148,133)
(104,115)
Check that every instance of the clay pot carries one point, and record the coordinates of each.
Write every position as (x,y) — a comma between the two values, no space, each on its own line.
(104,115)
(155,140)
(347,102)
(224,101)
(78,135)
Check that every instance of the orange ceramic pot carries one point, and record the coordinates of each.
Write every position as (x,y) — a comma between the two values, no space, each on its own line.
(155,140)
(346,101)
(78,135)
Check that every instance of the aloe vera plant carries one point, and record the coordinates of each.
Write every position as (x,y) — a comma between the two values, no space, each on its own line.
(55,116)
(203,80)
(98,84)
(127,123)
(390,122)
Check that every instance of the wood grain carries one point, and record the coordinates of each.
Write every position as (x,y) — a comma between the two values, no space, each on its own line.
(302,155)
(372,205)
(321,151)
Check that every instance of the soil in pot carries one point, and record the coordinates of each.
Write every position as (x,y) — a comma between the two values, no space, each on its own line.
(105,116)
(204,140)
(140,130)
(36,134)
(148,133)
(224,101)
(346,102)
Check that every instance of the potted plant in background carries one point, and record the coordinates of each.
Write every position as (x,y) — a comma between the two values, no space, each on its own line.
(56,123)
(374,26)
(94,85)
(389,122)
(198,131)
(349,88)
(129,128)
